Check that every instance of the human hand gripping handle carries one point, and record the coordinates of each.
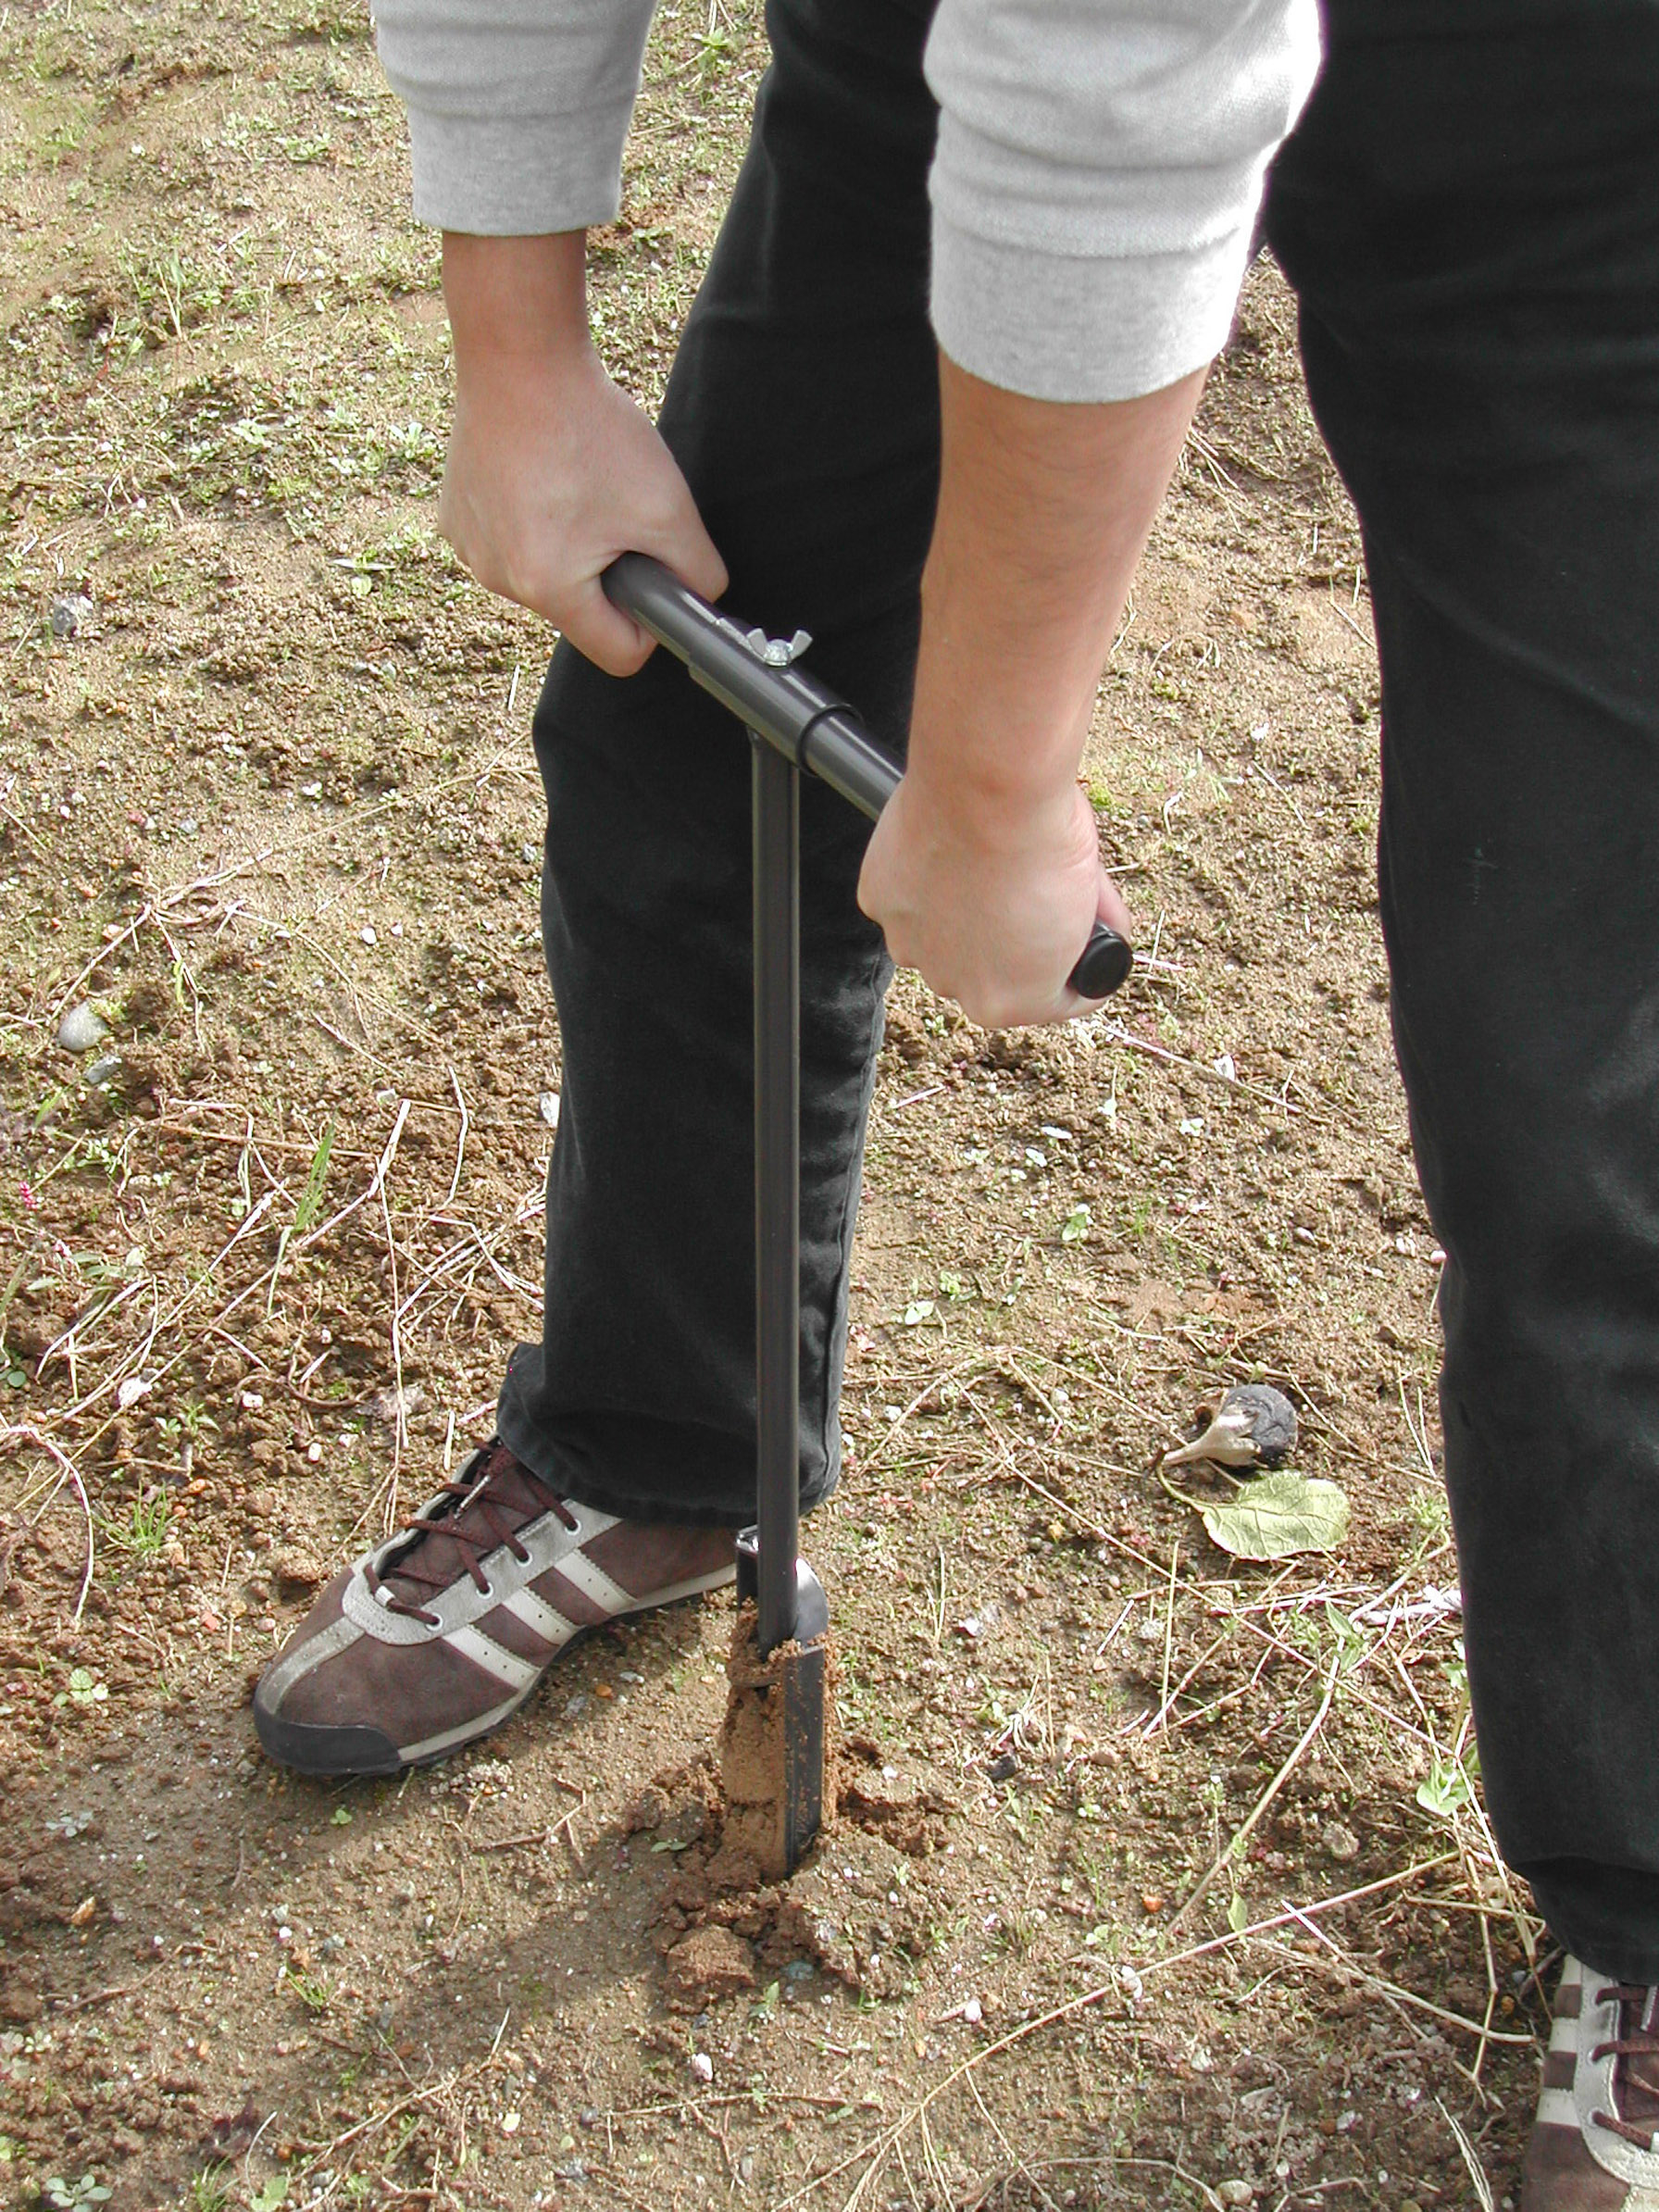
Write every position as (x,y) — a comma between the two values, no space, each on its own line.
(756,678)
(551,470)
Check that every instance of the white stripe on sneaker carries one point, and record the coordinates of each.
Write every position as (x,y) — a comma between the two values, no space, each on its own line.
(431,1747)
(505,1665)
(1556,2110)
(542,1619)
(592,1582)
(697,1587)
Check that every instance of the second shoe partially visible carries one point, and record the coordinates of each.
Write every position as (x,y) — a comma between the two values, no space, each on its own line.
(1592,2147)
(440,1634)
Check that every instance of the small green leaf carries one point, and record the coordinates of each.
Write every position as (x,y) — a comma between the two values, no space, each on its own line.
(340,1817)
(1238,1914)
(84,1689)
(1279,1515)
(272,2194)
(919,1309)
(669,1844)
(309,1203)
(1448,1787)
(1075,1227)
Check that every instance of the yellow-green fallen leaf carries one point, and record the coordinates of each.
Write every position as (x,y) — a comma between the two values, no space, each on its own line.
(1277,1515)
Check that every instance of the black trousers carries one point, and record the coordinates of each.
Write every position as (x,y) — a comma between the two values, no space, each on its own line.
(1469,212)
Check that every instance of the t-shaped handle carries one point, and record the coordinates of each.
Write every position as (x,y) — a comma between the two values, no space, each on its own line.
(756,678)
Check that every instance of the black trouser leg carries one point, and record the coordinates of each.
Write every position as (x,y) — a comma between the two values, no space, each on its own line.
(803,409)
(1470,215)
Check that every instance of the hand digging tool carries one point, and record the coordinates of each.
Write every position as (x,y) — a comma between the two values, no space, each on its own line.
(773,1744)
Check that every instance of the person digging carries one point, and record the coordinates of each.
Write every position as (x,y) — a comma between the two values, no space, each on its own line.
(1466,211)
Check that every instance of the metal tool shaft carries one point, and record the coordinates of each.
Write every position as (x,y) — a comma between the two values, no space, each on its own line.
(776,791)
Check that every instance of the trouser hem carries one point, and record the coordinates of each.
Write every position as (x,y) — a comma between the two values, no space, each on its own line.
(642,1469)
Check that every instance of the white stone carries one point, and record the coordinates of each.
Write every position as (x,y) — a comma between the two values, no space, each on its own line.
(80,1029)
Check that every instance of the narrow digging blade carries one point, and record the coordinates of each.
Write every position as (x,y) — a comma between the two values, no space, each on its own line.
(774,1744)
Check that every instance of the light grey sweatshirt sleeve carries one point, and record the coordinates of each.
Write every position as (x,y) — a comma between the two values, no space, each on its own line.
(518,109)
(1099,169)
(1098,176)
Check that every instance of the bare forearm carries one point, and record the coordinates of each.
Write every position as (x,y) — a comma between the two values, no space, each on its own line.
(984,871)
(1044,507)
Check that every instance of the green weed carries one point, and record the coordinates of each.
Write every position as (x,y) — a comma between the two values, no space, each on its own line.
(210,2189)
(73,2196)
(85,1690)
(143,1533)
(314,1990)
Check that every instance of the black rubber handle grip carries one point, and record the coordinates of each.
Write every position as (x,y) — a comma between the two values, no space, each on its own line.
(794,711)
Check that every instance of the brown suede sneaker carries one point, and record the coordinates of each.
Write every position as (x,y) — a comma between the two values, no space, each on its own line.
(1592,2146)
(441,1633)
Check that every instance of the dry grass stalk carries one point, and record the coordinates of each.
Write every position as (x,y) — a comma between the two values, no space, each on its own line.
(1242,1833)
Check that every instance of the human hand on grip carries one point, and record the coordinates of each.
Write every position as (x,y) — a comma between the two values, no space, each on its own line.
(992,913)
(551,470)
(984,870)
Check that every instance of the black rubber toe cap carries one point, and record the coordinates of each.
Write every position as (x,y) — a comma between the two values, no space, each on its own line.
(311,1749)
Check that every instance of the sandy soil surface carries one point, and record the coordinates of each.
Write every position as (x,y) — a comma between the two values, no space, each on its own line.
(1162,1878)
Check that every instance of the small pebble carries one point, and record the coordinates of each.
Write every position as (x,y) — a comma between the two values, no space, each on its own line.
(104,1068)
(973,2012)
(68,613)
(80,1029)
(1235,2192)
(703,2066)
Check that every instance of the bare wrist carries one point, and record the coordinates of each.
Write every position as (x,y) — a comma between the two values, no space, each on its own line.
(988,803)
(516,305)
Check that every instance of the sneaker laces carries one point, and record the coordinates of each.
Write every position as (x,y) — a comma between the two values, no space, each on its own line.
(1635,2052)
(474,1516)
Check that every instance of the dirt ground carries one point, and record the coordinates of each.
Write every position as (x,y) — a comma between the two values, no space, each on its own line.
(1163,1880)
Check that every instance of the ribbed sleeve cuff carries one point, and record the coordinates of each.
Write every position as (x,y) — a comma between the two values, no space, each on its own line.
(517,176)
(1071,327)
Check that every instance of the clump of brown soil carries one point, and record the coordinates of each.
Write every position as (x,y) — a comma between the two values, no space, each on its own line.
(853,1908)
(708,1962)
(872,1795)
